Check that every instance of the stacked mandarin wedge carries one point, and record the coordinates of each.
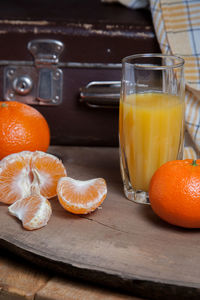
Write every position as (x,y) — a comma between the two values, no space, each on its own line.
(20,171)
(34,211)
(29,179)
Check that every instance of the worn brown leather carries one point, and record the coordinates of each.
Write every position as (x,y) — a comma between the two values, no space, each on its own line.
(92,32)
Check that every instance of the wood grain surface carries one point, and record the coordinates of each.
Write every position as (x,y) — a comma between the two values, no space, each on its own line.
(22,280)
(120,245)
(18,280)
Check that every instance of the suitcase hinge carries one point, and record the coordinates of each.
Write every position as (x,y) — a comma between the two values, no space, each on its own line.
(38,84)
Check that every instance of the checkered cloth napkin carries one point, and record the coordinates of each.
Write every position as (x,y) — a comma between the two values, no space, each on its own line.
(177,26)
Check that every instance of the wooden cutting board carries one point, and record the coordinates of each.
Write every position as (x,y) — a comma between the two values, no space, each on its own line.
(120,245)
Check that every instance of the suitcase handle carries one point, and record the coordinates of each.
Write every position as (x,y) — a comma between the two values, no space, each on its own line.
(101,94)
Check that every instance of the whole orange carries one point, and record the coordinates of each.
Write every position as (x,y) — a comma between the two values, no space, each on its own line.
(174,193)
(22,127)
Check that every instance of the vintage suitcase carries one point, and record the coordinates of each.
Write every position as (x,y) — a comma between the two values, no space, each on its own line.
(63,57)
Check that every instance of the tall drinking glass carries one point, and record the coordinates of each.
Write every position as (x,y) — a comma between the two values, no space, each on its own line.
(151,119)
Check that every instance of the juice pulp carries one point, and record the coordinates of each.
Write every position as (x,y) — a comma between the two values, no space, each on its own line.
(151,133)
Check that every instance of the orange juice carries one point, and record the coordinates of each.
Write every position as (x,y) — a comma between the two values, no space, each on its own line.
(151,133)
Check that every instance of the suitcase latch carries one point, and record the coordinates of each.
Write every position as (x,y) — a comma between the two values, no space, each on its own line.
(39,83)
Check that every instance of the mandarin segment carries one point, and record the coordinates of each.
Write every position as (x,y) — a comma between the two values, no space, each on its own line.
(23,177)
(18,171)
(81,197)
(15,180)
(48,169)
(34,211)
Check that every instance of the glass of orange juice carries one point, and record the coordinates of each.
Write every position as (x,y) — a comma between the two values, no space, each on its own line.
(151,119)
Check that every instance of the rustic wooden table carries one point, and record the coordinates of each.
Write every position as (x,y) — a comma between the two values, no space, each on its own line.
(21,280)
(122,243)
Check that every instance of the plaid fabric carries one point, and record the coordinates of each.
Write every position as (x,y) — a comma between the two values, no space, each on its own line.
(177,26)
(189,153)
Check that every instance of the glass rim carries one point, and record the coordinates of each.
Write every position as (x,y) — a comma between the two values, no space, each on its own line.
(180,63)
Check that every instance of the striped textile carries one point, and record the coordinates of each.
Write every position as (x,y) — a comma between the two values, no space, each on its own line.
(189,152)
(177,26)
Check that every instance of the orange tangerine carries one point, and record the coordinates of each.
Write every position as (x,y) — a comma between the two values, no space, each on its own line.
(81,197)
(22,127)
(174,193)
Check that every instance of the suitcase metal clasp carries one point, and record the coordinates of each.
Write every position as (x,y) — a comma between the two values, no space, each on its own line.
(39,83)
